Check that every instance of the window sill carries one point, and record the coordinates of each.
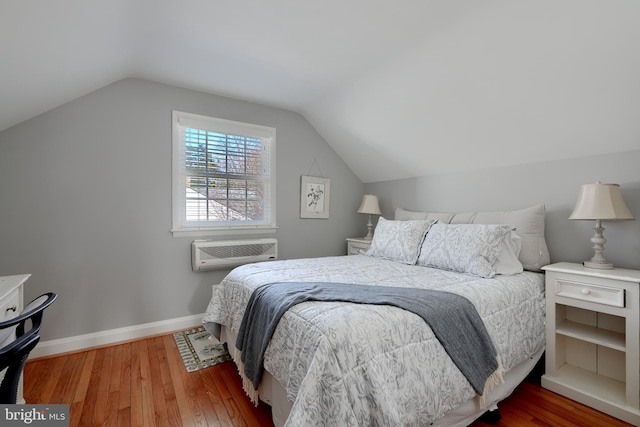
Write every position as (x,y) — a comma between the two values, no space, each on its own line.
(237,231)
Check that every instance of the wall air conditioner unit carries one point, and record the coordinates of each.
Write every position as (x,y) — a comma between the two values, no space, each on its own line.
(213,255)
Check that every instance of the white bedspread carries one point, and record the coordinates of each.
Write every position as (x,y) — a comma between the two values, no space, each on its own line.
(349,364)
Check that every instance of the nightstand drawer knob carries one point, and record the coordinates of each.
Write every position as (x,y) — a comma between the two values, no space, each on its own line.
(585,292)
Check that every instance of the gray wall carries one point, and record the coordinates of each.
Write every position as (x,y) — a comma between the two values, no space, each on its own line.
(554,184)
(85,207)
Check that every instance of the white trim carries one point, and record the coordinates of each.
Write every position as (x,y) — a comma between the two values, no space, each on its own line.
(266,133)
(112,336)
(227,232)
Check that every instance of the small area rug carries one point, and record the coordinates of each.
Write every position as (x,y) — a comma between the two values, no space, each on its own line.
(199,349)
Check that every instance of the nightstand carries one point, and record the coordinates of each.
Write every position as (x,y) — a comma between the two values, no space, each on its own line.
(592,344)
(357,245)
(11,304)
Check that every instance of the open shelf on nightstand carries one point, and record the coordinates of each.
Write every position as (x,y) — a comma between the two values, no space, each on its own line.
(592,334)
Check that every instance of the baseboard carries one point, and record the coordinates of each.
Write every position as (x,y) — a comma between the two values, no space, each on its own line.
(112,336)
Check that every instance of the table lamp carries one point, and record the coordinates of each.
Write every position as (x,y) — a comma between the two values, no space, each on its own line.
(600,202)
(370,206)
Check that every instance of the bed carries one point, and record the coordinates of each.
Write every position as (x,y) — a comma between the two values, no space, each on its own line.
(340,363)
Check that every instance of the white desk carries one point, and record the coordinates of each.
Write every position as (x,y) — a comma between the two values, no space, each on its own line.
(11,305)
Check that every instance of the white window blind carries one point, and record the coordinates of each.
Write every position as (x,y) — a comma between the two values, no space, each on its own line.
(223,176)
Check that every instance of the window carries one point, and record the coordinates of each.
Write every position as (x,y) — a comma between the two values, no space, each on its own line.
(223,176)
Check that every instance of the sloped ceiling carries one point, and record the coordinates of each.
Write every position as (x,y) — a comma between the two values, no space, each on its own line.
(398,88)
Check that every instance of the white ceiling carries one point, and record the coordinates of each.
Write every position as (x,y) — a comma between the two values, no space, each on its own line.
(398,88)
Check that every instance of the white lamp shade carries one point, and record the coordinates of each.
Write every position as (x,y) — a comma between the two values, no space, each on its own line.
(370,205)
(601,201)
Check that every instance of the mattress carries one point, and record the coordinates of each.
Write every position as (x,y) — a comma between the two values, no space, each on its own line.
(358,364)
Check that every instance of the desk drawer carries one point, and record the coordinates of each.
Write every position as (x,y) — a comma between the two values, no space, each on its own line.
(10,306)
(589,292)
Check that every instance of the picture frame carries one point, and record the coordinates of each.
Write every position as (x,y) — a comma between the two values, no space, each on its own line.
(315,197)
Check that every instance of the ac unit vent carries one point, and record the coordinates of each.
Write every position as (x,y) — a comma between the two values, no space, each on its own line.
(211,255)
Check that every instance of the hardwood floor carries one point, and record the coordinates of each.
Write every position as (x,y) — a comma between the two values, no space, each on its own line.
(144,383)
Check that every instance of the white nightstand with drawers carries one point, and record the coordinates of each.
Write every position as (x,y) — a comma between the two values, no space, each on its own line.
(357,245)
(593,337)
(11,305)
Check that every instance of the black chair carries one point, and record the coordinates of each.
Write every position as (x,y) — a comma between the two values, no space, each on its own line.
(14,354)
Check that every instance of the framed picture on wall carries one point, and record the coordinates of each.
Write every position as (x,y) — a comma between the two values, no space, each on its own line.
(314,197)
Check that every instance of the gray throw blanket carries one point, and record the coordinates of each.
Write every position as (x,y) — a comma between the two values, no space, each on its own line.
(453,319)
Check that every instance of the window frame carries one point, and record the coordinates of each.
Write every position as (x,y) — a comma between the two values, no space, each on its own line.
(178,193)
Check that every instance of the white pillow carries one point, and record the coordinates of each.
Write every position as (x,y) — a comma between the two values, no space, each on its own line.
(398,240)
(464,248)
(507,262)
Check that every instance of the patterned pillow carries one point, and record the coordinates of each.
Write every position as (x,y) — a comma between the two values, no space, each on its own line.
(465,248)
(528,222)
(399,240)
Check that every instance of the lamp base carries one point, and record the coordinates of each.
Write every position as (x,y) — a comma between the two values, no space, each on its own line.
(599,265)
(369,235)
(598,240)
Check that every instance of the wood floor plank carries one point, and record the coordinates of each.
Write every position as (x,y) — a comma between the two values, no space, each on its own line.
(102,392)
(582,413)
(65,389)
(145,383)
(75,413)
(230,405)
(153,401)
(213,390)
(196,408)
(80,395)
(182,398)
(551,417)
(155,384)
(137,415)
(111,410)
(85,377)
(166,384)
(46,381)
(30,382)
(254,416)
(124,394)
(91,394)
(116,368)
(204,399)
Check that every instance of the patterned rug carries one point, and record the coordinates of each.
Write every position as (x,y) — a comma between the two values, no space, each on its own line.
(199,349)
